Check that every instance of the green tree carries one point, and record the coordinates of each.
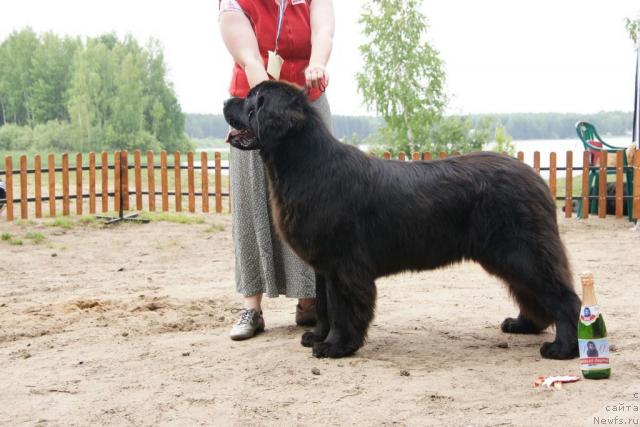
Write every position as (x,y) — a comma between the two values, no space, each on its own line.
(633,27)
(403,80)
(403,76)
(503,143)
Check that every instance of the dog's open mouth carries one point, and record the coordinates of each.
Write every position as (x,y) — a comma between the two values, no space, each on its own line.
(242,139)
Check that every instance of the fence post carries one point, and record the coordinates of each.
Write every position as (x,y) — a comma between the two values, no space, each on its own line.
(79,194)
(117,158)
(92,182)
(568,192)
(151,182)
(52,185)
(602,188)
(552,175)
(37,165)
(426,155)
(442,155)
(402,156)
(164,180)
(105,181)
(586,203)
(415,156)
(521,156)
(619,184)
(124,165)
(386,155)
(204,180)
(178,177)
(8,173)
(191,182)
(536,162)
(137,172)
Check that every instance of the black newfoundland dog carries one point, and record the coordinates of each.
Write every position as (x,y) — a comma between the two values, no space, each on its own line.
(355,218)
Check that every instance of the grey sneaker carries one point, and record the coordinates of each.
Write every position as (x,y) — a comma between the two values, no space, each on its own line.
(250,323)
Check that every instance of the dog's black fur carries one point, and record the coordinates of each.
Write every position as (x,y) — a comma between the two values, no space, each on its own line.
(355,218)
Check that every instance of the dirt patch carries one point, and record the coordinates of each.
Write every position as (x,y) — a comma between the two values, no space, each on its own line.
(129,326)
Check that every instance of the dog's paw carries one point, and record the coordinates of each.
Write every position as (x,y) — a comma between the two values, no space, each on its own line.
(519,326)
(309,339)
(332,350)
(559,350)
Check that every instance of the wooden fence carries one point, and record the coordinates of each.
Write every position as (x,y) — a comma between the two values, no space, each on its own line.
(150,181)
(97,184)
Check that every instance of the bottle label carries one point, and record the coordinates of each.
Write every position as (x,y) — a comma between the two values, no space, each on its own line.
(594,353)
(589,314)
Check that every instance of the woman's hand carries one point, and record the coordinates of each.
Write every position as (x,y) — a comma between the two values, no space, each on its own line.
(316,76)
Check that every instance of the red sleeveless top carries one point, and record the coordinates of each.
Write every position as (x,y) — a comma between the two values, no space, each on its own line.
(294,45)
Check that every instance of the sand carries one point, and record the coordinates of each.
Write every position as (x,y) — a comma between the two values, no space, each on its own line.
(128,326)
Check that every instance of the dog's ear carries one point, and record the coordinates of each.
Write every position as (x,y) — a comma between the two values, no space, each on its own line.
(276,124)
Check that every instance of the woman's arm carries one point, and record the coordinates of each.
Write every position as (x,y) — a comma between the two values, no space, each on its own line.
(241,42)
(322,27)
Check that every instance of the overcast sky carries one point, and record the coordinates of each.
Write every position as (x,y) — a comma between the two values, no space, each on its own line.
(501,56)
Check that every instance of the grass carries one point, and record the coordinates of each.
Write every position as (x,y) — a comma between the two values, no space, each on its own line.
(215,228)
(36,237)
(15,242)
(176,218)
(63,222)
(6,237)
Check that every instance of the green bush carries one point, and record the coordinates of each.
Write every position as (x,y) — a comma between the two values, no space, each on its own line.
(16,138)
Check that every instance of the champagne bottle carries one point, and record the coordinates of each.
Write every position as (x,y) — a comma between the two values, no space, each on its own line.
(592,334)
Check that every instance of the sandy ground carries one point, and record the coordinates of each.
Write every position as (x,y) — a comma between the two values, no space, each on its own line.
(128,326)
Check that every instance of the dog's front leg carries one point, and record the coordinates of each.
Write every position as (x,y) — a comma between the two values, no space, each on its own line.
(321,330)
(350,308)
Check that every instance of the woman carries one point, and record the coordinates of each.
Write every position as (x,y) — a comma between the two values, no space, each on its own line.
(292,40)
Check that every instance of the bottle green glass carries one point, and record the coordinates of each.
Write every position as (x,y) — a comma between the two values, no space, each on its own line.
(592,334)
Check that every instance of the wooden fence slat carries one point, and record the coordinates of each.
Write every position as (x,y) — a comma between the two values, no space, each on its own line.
(52,184)
(442,155)
(138,177)
(585,185)
(619,184)
(386,155)
(37,166)
(151,183)
(636,186)
(455,153)
(164,179)
(24,189)
(218,183)
(117,158)
(553,183)
(568,191)
(536,162)
(402,156)
(204,179)
(521,156)
(191,182)
(177,178)
(79,192)
(65,184)
(105,181)
(602,188)
(415,156)
(124,165)
(8,174)
(92,182)
(426,156)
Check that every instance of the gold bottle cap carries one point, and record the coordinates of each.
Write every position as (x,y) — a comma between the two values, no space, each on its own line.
(586,278)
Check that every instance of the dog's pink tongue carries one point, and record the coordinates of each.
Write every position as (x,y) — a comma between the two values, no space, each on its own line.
(231,134)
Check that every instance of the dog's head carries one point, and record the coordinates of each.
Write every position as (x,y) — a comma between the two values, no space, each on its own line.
(271,112)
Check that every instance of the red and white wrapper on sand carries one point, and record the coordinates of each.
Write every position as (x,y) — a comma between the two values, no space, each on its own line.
(555,382)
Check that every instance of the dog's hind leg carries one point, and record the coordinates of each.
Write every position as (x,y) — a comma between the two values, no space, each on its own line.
(350,307)
(321,330)
(542,288)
